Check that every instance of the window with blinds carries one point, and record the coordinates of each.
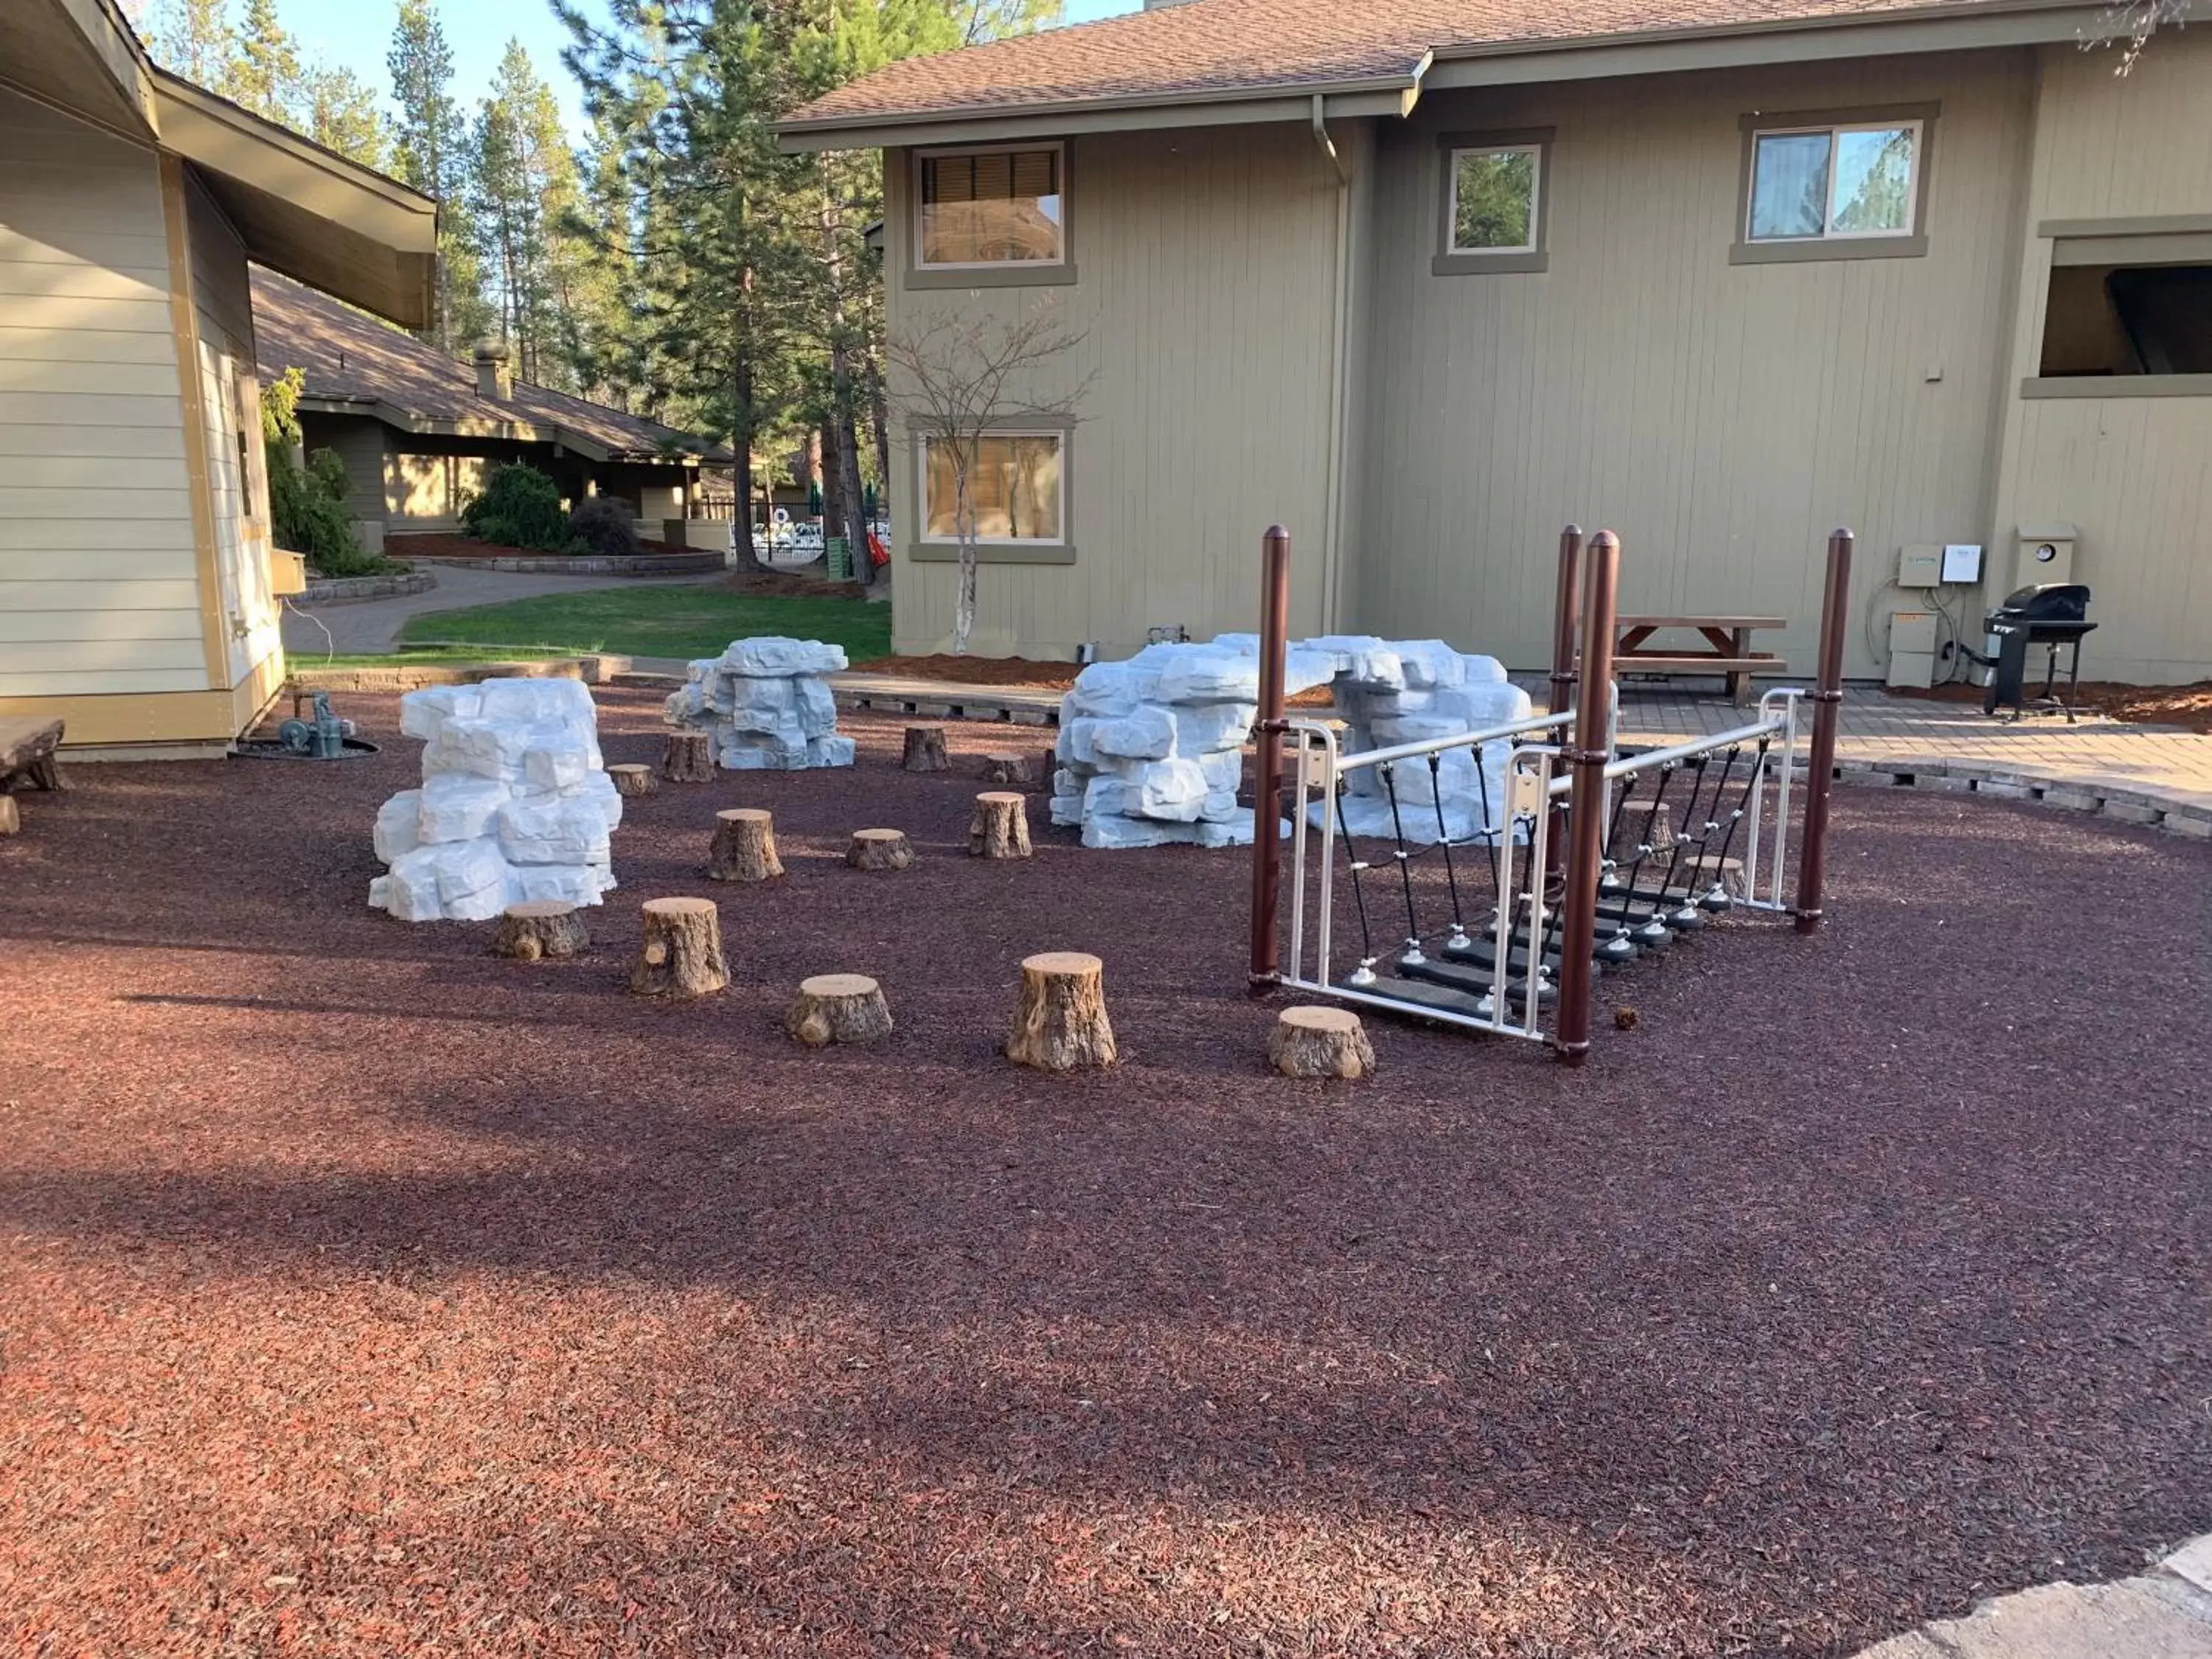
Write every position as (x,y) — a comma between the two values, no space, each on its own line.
(1013,489)
(991,207)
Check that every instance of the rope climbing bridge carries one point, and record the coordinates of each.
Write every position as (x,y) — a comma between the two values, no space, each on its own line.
(1585,857)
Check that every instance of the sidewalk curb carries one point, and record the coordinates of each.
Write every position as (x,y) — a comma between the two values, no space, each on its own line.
(2164,1613)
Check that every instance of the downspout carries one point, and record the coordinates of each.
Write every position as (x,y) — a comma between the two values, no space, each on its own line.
(1339,332)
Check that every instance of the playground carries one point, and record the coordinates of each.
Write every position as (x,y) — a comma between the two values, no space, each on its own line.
(365,1293)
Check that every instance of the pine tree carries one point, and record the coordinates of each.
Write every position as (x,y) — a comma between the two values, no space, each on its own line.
(193,38)
(524,194)
(265,75)
(431,148)
(340,112)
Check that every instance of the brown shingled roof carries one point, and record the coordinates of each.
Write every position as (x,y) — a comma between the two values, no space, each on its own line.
(1213,49)
(346,355)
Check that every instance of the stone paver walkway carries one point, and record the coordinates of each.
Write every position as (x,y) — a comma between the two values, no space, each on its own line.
(2165,1613)
(1878,726)
(371,627)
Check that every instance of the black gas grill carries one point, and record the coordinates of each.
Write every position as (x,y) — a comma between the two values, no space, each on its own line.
(2053,614)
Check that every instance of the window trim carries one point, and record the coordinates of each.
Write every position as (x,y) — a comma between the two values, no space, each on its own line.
(1449,261)
(1909,244)
(994,273)
(926,548)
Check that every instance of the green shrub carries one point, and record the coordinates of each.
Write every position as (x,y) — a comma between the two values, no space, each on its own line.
(520,506)
(604,524)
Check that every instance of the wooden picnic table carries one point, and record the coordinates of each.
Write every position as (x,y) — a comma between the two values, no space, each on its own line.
(1728,653)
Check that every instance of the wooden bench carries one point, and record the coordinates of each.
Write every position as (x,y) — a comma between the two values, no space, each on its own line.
(27,753)
(1729,654)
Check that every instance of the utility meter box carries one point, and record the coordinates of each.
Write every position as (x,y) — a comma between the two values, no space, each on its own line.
(1912,649)
(1920,564)
(2045,555)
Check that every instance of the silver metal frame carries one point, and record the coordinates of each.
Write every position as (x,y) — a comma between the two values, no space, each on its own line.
(1533,779)
(1321,765)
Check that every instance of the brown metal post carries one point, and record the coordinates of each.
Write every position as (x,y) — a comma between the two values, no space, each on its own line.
(1267,798)
(1827,700)
(1565,613)
(1587,754)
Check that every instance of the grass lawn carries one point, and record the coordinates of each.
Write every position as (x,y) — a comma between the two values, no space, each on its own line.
(650,622)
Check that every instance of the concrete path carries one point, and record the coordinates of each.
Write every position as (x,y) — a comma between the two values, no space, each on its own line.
(372,627)
(2166,1614)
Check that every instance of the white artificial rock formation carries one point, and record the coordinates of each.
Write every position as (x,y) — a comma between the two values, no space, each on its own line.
(1152,749)
(766,706)
(515,803)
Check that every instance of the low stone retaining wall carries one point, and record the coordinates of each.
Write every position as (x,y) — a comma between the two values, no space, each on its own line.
(555,564)
(350,590)
(413,676)
(2123,800)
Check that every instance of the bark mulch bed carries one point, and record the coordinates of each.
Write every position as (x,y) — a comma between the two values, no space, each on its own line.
(2187,707)
(364,1294)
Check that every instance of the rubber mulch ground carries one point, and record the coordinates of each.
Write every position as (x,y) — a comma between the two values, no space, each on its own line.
(361,1294)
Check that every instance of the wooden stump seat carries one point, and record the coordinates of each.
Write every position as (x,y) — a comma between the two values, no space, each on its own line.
(838,1008)
(540,927)
(682,952)
(1060,1020)
(879,849)
(1000,828)
(745,846)
(632,780)
(1312,1040)
(688,758)
(924,749)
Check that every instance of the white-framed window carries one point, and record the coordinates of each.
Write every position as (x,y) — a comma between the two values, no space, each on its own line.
(1015,487)
(1001,206)
(1835,183)
(1494,200)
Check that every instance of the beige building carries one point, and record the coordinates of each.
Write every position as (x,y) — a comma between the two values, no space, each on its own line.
(1425,281)
(138,589)
(419,433)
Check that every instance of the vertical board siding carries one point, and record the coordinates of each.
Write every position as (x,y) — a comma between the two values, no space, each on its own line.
(1204,299)
(1722,418)
(2133,475)
(97,573)
(360,442)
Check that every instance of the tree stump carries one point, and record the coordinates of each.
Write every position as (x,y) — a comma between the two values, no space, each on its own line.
(879,849)
(632,780)
(1641,824)
(1002,825)
(1310,1041)
(1005,771)
(539,927)
(688,757)
(683,952)
(925,749)
(11,820)
(1060,1024)
(745,846)
(838,1008)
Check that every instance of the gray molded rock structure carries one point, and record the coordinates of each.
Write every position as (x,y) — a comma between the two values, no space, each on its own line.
(515,803)
(766,706)
(1152,749)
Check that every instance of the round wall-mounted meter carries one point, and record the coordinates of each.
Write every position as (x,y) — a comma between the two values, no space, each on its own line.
(2046,553)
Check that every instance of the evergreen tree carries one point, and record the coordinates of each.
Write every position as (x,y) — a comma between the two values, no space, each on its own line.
(193,38)
(341,113)
(431,148)
(265,75)
(524,195)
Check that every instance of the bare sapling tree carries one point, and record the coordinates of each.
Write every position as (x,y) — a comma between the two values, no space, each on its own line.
(955,382)
(2129,26)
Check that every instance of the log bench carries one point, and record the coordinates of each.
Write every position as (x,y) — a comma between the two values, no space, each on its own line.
(27,753)
(1728,653)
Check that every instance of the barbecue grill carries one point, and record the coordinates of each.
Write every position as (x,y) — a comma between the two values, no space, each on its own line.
(2053,614)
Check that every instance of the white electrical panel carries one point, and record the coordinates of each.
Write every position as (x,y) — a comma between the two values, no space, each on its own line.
(1912,649)
(1919,564)
(1962,562)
